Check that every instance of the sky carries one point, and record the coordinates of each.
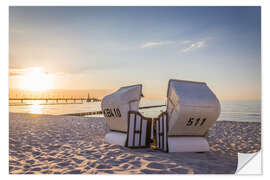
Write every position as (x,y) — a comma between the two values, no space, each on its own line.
(110,47)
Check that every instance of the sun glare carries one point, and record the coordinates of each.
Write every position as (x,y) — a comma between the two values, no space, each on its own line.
(35,108)
(36,80)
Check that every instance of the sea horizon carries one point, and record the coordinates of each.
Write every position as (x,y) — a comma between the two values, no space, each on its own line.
(231,110)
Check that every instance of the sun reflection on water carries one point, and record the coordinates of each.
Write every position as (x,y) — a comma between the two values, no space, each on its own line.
(35,107)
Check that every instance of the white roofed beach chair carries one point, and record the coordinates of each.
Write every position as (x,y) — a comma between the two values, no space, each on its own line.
(127,127)
(192,108)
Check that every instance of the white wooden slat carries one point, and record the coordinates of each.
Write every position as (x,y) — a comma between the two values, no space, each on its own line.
(144,128)
(157,132)
(165,132)
(152,130)
(161,131)
(131,126)
(137,128)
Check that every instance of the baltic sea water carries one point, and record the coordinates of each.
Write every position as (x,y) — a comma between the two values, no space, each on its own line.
(249,111)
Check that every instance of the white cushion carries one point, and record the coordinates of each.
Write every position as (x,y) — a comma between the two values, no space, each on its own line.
(116,138)
(187,144)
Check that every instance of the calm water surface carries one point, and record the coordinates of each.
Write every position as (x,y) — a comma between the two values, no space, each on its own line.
(230,110)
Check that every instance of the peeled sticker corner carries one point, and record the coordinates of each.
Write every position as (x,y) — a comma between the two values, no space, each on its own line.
(249,164)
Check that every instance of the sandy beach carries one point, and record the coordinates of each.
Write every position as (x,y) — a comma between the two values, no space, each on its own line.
(48,144)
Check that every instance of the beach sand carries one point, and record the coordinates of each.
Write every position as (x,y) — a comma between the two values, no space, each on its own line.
(47,144)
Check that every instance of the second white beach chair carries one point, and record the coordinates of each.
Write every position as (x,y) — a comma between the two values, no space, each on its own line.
(127,127)
(192,108)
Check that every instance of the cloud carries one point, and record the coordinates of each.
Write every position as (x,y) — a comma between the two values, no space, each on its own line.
(156,43)
(194,45)
(186,42)
(190,45)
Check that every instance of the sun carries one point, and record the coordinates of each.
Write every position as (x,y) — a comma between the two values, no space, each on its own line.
(36,80)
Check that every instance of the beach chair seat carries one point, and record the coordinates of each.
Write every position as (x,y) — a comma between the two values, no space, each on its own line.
(192,108)
(127,127)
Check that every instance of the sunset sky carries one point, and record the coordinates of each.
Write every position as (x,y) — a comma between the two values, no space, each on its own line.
(110,47)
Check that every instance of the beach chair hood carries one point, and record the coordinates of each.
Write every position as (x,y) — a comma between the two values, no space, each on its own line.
(192,108)
(115,106)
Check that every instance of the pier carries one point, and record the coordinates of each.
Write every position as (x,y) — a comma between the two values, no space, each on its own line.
(56,99)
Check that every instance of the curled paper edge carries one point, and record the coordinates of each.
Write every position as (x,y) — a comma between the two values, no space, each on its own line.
(249,164)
